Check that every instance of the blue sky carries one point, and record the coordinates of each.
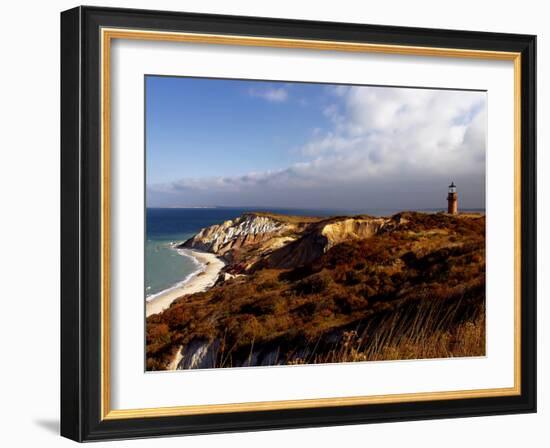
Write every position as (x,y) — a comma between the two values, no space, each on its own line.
(203,127)
(214,142)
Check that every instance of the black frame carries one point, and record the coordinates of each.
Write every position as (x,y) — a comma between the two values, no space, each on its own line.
(80,224)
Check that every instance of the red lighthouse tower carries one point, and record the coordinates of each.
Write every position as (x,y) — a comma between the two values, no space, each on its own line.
(452,200)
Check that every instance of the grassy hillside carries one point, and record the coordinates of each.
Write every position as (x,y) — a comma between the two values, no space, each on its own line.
(289,219)
(414,290)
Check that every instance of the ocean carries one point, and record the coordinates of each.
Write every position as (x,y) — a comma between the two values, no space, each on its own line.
(166,267)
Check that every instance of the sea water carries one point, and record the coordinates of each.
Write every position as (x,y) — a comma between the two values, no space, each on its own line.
(165,266)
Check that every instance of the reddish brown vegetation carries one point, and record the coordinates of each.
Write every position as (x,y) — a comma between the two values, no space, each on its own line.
(414,290)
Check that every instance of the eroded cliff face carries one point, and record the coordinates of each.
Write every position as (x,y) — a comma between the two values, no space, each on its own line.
(245,231)
(263,240)
(318,238)
(351,229)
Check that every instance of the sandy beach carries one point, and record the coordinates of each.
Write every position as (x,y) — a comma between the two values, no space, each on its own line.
(201,282)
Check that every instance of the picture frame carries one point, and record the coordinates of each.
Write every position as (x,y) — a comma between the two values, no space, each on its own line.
(86,209)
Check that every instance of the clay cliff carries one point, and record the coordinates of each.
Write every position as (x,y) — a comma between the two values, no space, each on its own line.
(250,229)
(259,240)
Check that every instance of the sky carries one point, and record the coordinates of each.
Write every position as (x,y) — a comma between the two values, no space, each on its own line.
(239,143)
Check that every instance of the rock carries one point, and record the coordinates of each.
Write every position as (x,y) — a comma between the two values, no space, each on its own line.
(199,354)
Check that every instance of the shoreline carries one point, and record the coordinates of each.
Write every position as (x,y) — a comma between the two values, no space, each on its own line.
(201,281)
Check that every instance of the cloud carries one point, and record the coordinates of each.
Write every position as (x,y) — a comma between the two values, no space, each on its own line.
(273,95)
(398,129)
(390,147)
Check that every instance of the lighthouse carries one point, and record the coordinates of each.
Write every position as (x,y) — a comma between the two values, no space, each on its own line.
(452,200)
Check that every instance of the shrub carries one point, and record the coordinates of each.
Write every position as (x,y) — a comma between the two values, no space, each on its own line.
(314,284)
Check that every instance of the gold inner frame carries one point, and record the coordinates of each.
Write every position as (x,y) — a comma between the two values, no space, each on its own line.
(107,35)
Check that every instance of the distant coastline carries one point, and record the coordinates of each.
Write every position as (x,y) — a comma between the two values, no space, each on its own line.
(374,211)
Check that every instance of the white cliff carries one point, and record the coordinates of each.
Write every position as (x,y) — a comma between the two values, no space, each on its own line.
(245,230)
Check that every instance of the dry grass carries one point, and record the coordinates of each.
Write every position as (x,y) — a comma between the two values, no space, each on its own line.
(431,335)
(415,291)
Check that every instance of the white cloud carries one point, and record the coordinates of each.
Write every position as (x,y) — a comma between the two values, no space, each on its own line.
(397,130)
(386,146)
(273,95)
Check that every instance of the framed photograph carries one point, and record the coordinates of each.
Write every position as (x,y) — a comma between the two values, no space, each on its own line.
(276,224)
